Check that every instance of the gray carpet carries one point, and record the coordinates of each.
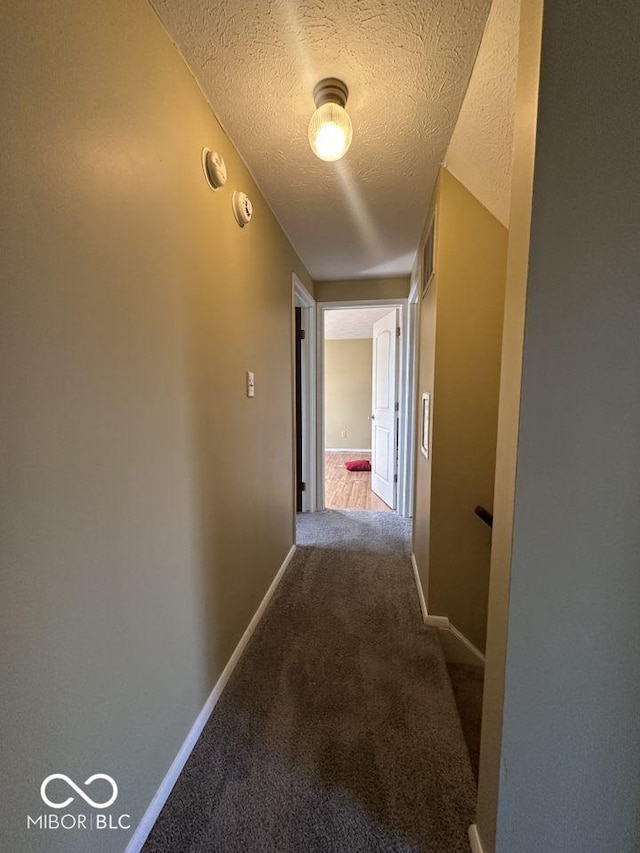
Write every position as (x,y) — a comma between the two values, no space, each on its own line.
(338,731)
(468,684)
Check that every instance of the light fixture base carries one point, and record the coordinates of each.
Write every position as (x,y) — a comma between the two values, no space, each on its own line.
(330,90)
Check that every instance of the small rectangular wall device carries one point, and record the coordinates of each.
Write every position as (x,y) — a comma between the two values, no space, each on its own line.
(251,384)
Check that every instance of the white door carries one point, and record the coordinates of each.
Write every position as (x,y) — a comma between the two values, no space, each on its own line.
(384,434)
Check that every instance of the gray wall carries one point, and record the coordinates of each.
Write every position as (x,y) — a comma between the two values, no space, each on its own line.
(570,765)
(146,503)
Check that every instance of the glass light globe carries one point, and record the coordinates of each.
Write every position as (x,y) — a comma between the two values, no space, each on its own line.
(330,132)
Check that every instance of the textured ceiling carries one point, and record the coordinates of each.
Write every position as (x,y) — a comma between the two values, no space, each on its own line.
(352,322)
(480,152)
(407,65)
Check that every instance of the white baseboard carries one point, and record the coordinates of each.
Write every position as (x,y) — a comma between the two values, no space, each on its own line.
(461,649)
(474,838)
(347,450)
(423,603)
(434,621)
(458,649)
(476,655)
(441,622)
(145,826)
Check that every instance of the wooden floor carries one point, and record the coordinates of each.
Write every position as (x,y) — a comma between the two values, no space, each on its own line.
(349,489)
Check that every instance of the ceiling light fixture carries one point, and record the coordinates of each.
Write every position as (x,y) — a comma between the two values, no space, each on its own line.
(330,129)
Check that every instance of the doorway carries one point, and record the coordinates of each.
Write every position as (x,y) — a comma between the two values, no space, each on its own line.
(363,417)
(360,391)
(304,394)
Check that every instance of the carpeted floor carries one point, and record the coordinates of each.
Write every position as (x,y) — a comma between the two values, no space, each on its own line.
(338,731)
(468,684)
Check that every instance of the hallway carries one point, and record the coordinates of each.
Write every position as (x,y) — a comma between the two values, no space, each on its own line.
(338,730)
(177,179)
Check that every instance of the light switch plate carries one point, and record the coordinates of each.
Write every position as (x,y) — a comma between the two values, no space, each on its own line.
(251,384)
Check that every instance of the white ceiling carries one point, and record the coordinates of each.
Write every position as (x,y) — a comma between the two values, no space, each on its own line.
(352,322)
(406,63)
(481,148)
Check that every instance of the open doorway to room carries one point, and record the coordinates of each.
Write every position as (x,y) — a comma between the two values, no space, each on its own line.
(351,481)
(361,401)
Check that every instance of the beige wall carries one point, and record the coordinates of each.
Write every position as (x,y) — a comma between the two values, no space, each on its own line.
(460,368)
(362,289)
(134,462)
(347,393)
(426,372)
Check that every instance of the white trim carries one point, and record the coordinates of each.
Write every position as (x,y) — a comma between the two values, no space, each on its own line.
(441,622)
(406,415)
(424,414)
(347,450)
(416,575)
(363,303)
(303,299)
(411,394)
(145,826)
(469,651)
(474,839)
(306,299)
(467,644)
(414,289)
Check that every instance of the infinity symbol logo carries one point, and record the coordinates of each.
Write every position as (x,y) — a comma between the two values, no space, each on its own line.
(72,784)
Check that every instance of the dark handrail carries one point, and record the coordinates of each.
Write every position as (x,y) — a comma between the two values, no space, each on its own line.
(484,515)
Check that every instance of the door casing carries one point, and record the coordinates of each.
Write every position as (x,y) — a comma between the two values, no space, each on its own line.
(406,414)
(301,298)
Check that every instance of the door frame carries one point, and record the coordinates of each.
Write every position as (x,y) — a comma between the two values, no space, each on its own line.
(406,413)
(411,391)
(301,298)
